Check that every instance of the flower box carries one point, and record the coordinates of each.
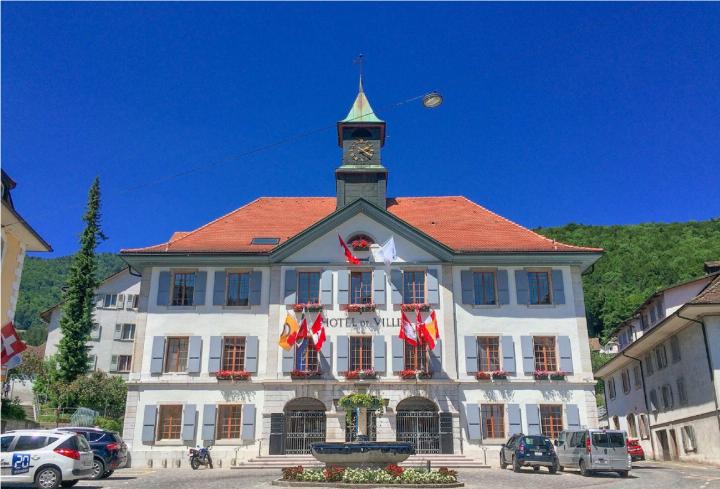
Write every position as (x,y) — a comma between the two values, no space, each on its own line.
(492,375)
(233,375)
(483,375)
(415,307)
(309,307)
(361,374)
(360,244)
(361,307)
(499,375)
(305,374)
(410,373)
(550,374)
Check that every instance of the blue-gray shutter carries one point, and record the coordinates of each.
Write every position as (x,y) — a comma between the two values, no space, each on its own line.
(468,287)
(158,354)
(199,290)
(503,287)
(558,287)
(508,351)
(326,289)
(113,363)
(342,354)
(326,358)
(532,412)
(379,346)
(290,286)
(219,289)
(436,359)
(522,287)
(526,342)
(396,286)
(379,286)
(208,426)
(117,335)
(565,350)
(433,287)
(255,288)
(398,353)
(251,354)
(163,293)
(344,287)
(471,355)
(215,354)
(188,429)
(288,360)
(248,422)
(148,429)
(514,419)
(194,351)
(472,416)
(573,416)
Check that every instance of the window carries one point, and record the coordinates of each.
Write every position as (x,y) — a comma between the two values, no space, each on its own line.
(611,388)
(631,425)
(493,420)
(124,362)
(551,420)
(544,348)
(616,422)
(675,349)
(361,287)
(229,423)
(682,394)
(649,364)
(92,361)
(653,400)
(644,427)
(5,442)
(183,288)
(488,353)
(659,311)
(625,375)
(484,283)
(33,442)
(309,287)
(176,353)
(608,440)
(125,332)
(360,353)
(539,287)
(638,376)
(238,289)
(132,301)
(265,241)
(667,396)
(306,357)
(169,422)
(688,439)
(416,357)
(661,357)
(110,300)
(413,287)
(653,318)
(233,353)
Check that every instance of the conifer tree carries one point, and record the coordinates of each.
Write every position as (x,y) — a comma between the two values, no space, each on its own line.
(76,321)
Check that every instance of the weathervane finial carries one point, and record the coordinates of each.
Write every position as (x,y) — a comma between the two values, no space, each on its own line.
(360,60)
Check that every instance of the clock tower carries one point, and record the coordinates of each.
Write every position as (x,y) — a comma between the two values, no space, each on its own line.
(361,135)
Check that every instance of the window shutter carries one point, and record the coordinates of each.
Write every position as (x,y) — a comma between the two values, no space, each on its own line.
(446,433)
(379,345)
(255,288)
(326,287)
(502,287)
(199,290)
(251,354)
(118,332)
(379,286)
(343,287)
(129,301)
(188,429)
(508,352)
(326,358)
(514,419)
(433,287)
(290,286)
(219,289)
(532,411)
(113,363)
(215,354)
(208,426)
(396,286)
(148,429)
(522,287)
(288,360)
(558,287)
(472,416)
(121,301)
(163,293)
(526,342)
(277,434)
(436,360)
(158,354)
(471,355)
(565,349)
(573,416)
(194,349)
(342,353)
(398,353)
(248,422)
(468,287)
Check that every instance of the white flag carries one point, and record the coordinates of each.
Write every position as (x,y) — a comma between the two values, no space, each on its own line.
(385,253)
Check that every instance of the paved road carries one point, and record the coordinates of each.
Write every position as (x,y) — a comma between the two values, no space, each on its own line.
(645,475)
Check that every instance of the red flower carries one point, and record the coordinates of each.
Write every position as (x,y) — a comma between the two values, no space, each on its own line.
(333,473)
(361,374)
(394,470)
(232,375)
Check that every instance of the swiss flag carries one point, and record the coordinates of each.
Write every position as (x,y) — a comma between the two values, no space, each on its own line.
(318,332)
(407,331)
(348,255)
(303,331)
(11,343)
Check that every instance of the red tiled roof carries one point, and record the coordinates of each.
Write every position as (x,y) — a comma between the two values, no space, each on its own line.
(711,294)
(457,222)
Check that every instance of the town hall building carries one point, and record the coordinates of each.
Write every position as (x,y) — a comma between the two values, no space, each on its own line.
(512,354)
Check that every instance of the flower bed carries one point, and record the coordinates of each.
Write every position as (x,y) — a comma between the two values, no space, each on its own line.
(392,474)
(361,307)
(233,375)
(305,374)
(494,375)
(415,307)
(309,307)
(361,374)
(410,373)
(550,374)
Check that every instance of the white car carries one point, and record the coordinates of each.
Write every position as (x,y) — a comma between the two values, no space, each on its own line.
(47,458)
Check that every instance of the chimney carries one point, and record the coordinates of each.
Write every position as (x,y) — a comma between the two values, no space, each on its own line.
(712,267)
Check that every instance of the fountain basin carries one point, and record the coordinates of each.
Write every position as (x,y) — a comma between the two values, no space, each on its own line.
(362,454)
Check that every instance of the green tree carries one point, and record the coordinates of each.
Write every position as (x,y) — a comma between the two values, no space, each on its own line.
(77,318)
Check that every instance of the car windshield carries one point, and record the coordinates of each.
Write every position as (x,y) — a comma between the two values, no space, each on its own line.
(534,441)
(608,440)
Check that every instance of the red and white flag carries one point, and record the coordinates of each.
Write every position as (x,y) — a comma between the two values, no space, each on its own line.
(318,332)
(407,331)
(349,257)
(302,331)
(11,343)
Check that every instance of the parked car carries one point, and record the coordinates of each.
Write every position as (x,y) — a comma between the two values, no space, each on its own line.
(594,450)
(635,450)
(47,458)
(109,451)
(529,450)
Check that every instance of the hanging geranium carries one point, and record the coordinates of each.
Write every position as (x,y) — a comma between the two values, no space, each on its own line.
(361,307)
(424,307)
(367,373)
(308,307)
(232,375)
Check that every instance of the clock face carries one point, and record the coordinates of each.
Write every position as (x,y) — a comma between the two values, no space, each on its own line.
(361,150)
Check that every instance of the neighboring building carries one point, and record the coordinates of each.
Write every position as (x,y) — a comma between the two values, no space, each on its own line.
(216,298)
(112,340)
(595,344)
(662,387)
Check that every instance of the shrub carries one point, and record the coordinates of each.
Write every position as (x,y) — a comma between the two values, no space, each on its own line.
(11,409)
(292,473)
(109,424)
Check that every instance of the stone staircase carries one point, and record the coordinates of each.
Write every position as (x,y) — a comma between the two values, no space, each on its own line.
(452,461)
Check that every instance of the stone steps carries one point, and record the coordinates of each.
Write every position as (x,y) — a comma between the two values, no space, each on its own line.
(453,461)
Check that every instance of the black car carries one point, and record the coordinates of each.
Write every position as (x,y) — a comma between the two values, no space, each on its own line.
(109,451)
(529,450)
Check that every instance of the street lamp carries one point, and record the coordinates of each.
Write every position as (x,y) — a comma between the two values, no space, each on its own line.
(432,100)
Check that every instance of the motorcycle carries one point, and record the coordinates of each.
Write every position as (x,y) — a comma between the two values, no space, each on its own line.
(200,456)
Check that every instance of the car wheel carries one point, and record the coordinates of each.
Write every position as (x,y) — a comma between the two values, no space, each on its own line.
(107,474)
(98,469)
(516,465)
(623,473)
(48,478)
(503,465)
(69,483)
(583,470)
(536,468)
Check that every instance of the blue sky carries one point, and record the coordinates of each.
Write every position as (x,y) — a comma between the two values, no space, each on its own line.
(599,113)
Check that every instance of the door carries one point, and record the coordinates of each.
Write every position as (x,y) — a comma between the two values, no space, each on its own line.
(421,429)
(617,450)
(664,446)
(303,428)
(674,445)
(562,447)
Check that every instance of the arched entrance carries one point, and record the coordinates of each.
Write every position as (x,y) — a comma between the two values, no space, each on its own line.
(304,424)
(418,422)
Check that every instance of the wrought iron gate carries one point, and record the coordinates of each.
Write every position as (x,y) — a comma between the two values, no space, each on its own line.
(301,429)
(351,424)
(421,428)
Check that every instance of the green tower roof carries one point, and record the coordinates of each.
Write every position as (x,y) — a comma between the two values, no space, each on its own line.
(361,111)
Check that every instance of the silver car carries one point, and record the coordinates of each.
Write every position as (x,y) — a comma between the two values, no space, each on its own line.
(593,450)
